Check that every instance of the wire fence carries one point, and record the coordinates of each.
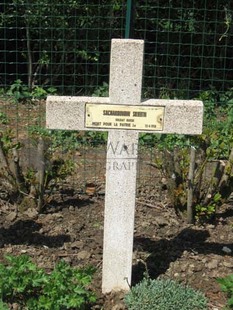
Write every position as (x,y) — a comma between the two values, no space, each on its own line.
(60,44)
(66,45)
(188,44)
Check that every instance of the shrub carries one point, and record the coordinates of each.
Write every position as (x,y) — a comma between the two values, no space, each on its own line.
(28,286)
(164,295)
(227,287)
(31,186)
(212,170)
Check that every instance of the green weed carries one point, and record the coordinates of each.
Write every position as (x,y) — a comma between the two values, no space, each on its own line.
(227,287)
(164,295)
(205,213)
(27,285)
(21,92)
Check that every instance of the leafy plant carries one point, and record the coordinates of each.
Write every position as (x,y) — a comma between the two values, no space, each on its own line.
(164,295)
(3,305)
(93,138)
(226,285)
(20,276)
(39,93)
(24,283)
(3,118)
(101,91)
(203,213)
(210,99)
(21,92)
(67,139)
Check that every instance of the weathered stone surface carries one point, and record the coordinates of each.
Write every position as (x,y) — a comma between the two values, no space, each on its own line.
(125,87)
(181,117)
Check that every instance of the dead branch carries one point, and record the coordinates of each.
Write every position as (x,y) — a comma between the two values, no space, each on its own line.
(41,173)
(4,165)
(18,174)
(151,164)
(214,183)
(225,187)
(144,203)
(190,217)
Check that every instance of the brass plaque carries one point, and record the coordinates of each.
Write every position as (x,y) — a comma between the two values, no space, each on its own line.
(132,117)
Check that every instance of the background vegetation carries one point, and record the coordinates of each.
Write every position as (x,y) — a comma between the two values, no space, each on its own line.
(61,47)
(66,44)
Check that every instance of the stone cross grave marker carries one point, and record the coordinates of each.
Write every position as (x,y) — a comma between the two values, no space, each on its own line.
(124,116)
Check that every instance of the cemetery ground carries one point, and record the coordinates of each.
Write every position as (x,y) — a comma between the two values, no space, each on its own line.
(71,226)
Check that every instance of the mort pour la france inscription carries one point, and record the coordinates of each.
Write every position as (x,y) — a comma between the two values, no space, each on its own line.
(124,117)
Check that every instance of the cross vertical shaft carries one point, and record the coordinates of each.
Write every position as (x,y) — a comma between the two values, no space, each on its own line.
(125,88)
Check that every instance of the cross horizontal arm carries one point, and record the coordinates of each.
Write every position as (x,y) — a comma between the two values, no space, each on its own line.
(68,113)
(180,116)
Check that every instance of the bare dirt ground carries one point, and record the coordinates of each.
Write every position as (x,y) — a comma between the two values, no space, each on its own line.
(71,228)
